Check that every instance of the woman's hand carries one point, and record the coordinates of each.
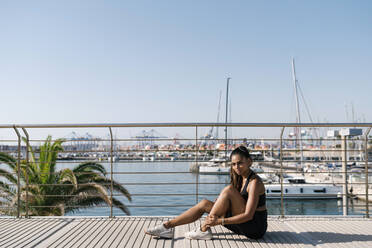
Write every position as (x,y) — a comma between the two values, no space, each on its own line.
(211,220)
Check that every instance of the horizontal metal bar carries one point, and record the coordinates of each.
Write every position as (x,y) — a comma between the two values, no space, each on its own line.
(149,194)
(184,139)
(185,124)
(106,206)
(184,194)
(188,172)
(185,183)
(150,206)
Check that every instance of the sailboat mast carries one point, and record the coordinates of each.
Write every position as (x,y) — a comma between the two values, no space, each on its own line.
(298,117)
(218,115)
(227,112)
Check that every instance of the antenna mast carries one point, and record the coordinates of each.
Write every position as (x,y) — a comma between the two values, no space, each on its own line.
(298,117)
(218,115)
(227,112)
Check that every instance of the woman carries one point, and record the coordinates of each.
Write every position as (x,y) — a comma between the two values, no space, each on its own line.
(240,207)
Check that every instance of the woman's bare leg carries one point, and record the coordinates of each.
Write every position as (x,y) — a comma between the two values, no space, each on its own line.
(191,215)
(229,199)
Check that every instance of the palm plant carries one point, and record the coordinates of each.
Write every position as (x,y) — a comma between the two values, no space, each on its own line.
(55,192)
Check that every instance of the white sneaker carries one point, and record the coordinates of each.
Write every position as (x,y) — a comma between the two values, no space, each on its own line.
(160,231)
(198,234)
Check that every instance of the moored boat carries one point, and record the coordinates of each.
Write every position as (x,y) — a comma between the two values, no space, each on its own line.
(297,188)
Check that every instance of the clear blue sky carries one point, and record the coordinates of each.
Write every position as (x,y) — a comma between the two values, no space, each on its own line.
(166,61)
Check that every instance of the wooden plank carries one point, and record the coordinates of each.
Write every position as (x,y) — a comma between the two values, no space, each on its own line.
(284,238)
(331,234)
(22,229)
(141,234)
(66,234)
(123,232)
(220,235)
(295,236)
(86,233)
(75,239)
(134,238)
(304,230)
(126,233)
(265,242)
(99,232)
(358,231)
(147,238)
(270,237)
(35,236)
(5,224)
(179,239)
(223,233)
(19,225)
(239,241)
(345,234)
(115,234)
(13,235)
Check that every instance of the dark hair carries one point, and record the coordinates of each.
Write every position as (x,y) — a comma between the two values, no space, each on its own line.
(242,151)
(237,180)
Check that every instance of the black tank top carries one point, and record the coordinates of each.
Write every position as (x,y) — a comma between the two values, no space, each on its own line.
(244,193)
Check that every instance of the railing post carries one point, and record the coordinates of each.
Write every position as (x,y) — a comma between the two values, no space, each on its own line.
(366,170)
(281,174)
(111,170)
(197,166)
(345,203)
(18,172)
(27,166)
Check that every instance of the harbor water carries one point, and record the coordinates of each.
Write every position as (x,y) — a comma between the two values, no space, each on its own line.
(143,185)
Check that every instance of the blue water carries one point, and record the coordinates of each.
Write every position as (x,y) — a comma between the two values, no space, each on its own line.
(291,207)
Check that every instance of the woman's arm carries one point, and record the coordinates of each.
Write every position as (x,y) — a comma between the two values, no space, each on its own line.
(250,208)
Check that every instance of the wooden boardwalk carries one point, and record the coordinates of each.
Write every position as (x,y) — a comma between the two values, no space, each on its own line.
(128,232)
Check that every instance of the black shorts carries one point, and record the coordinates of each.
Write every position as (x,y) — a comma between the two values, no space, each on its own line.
(254,229)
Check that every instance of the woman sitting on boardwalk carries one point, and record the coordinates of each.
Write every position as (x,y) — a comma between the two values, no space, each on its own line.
(240,207)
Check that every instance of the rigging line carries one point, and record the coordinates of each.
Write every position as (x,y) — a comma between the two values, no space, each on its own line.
(305,103)
(307,109)
(317,136)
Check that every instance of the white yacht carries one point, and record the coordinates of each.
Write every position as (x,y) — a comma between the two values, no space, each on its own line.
(297,188)
(214,166)
(219,166)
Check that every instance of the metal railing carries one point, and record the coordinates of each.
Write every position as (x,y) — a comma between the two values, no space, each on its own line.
(197,152)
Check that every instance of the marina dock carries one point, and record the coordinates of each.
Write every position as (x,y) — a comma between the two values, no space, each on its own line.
(324,231)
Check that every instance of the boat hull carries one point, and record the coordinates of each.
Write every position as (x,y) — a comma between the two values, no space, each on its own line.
(303,191)
(214,170)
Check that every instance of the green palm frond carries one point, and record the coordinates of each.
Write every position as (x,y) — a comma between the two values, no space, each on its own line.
(10,176)
(90,167)
(116,186)
(120,205)
(43,169)
(30,150)
(67,175)
(8,160)
(48,159)
(87,202)
(93,189)
(56,147)
(6,188)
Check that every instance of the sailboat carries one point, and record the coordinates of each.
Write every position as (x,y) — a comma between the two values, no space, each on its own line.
(296,187)
(218,164)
